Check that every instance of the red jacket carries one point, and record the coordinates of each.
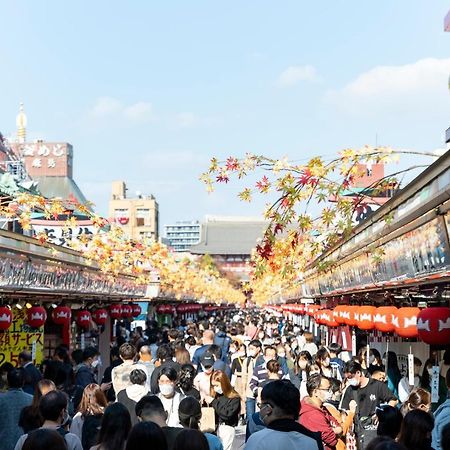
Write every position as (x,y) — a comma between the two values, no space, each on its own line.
(319,419)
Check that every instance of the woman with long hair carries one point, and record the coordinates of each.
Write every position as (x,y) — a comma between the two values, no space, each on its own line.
(90,411)
(389,421)
(190,413)
(146,435)
(322,359)
(116,425)
(415,432)
(425,383)
(227,405)
(30,418)
(298,372)
(393,373)
(418,399)
(182,356)
(185,382)
(238,356)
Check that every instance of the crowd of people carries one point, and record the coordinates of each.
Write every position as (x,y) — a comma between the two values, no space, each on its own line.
(190,385)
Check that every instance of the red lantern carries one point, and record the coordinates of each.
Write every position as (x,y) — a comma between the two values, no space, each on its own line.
(61,315)
(100,316)
(365,319)
(351,315)
(183,308)
(84,319)
(137,310)
(405,322)
(6,318)
(36,316)
(127,311)
(433,325)
(330,319)
(115,311)
(383,318)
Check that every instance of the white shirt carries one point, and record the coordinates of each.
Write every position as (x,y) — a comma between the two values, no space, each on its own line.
(171,406)
(267,439)
(404,388)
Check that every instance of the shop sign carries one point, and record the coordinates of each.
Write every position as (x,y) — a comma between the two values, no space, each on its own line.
(19,337)
(60,234)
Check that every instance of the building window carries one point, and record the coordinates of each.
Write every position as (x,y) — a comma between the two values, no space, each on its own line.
(142,217)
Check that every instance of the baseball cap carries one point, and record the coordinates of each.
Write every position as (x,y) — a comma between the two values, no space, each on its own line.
(207,360)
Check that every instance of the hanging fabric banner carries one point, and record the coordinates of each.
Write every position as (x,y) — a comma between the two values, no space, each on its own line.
(435,385)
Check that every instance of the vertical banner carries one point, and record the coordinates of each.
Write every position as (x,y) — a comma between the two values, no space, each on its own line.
(344,339)
(20,336)
(411,369)
(353,343)
(435,385)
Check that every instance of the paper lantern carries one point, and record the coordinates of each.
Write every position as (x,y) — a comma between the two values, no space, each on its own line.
(137,310)
(36,316)
(115,311)
(6,318)
(365,317)
(127,311)
(405,322)
(61,315)
(351,315)
(183,308)
(330,319)
(336,314)
(383,318)
(100,316)
(84,319)
(433,325)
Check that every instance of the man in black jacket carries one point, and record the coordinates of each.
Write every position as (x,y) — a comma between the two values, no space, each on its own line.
(32,374)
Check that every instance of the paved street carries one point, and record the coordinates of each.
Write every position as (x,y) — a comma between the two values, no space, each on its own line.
(240,438)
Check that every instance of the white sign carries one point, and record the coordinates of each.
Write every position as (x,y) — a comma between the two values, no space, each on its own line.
(435,385)
(410,369)
(353,344)
(60,235)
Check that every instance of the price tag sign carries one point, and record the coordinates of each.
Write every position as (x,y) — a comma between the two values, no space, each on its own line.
(435,385)
(410,369)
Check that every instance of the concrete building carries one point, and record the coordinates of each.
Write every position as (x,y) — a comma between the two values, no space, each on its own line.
(138,216)
(181,236)
(230,242)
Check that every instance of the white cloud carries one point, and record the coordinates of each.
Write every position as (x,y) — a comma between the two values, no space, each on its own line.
(295,74)
(425,80)
(111,107)
(187,119)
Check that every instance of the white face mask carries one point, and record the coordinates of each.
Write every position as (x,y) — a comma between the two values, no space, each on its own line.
(232,350)
(166,389)
(353,382)
(281,355)
(251,353)
(218,390)
(430,372)
(328,396)
(95,363)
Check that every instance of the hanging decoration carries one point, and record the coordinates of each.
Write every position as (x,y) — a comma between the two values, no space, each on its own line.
(100,316)
(383,318)
(127,311)
(84,319)
(36,316)
(61,315)
(365,317)
(6,318)
(137,310)
(433,325)
(115,311)
(405,322)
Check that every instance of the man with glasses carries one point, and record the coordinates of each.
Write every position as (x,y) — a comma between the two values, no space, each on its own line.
(314,416)
(279,411)
(368,393)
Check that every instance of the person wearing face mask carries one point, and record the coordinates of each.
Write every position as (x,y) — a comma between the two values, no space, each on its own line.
(314,416)
(202,381)
(53,409)
(227,406)
(254,359)
(282,359)
(238,358)
(168,396)
(322,359)
(85,372)
(368,394)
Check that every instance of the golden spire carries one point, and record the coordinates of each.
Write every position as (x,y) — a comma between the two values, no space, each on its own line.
(21,123)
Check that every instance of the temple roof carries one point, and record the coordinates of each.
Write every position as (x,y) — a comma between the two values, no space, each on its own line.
(60,187)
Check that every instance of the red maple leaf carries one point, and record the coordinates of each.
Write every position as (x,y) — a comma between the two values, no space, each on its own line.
(232,163)
(263,184)
(286,203)
(222,179)
(278,228)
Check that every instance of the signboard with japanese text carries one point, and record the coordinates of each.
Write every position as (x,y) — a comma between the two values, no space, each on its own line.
(21,337)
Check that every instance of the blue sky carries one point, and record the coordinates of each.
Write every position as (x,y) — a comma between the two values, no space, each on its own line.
(149,91)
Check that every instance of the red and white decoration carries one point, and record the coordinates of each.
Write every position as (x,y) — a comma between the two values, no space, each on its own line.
(36,316)
(61,315)
(100,316)
(6,318)
(84,319)
(433,325)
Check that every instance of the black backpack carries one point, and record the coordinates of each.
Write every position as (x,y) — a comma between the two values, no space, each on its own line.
(89,432)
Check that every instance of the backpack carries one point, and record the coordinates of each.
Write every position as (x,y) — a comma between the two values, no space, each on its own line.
(89,432)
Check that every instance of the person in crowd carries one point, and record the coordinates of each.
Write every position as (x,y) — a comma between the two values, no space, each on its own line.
(377,372)
(425,383)
(445,437)
(185,382)
(216,352)
(415,432)
(366,358)
(251,329)
(368,394)
(298,373)
(164,356)
(309,345)
(314,416)
(152,342)
(107,374)
(445,363)
(53,409)
(11,405)
(30,417)
(134,392)
(279,411)
(146,360)
(260,372)
(32,374)
(393,373)
(227,407)
(282,357)
(237,360)
(44,439)
(254,359)
(202,381)
(169,397)
(441,417)
(207,341)
(404,388)
(191,345)
(59,368)
(87,420)
(4,369)
(190,413)
(121,374)
(384,443)
(146,435)
(189,439)
(222,340)
(151,409)
(323,360)
(115,428)
(389,421)
(182,356)
(418,399)
(84,374)
(336,363)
